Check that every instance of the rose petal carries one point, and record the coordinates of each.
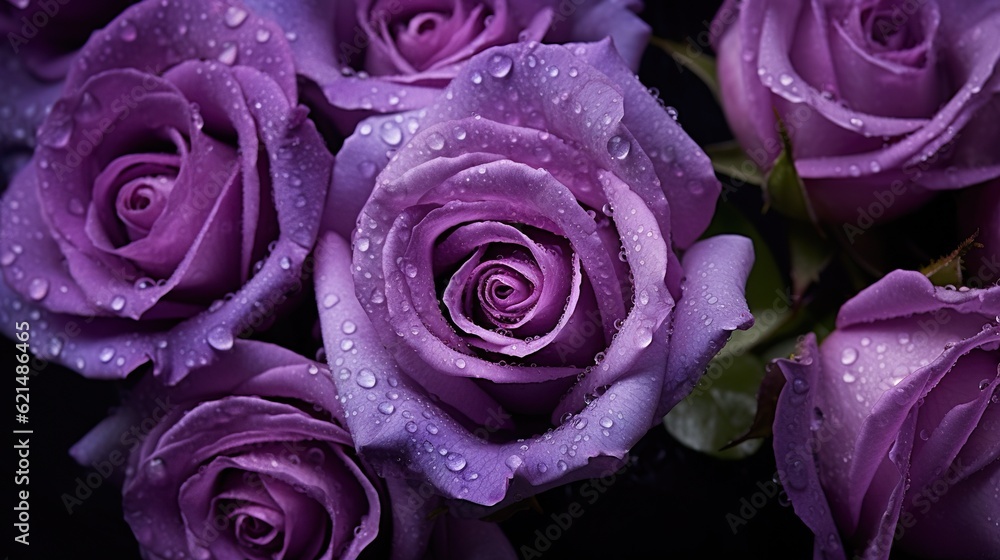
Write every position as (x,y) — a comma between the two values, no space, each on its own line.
(705,317)
(793,444)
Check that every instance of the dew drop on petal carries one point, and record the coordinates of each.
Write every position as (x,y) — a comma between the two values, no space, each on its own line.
(127,31)
(156,470)
(235,16)
(330,300)
(366,378)
(800,385)
(619,147)
(38,289)
(221,339)
(454,462)
(849,356)
(435,141)
(228,54)
(106,354)
(391,134)
(499,66)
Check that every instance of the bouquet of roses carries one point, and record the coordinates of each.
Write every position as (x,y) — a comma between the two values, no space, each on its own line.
(400,279)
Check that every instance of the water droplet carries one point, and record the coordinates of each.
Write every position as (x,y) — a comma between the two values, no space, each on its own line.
(984,384)
(221,339)
(856,122)
(460,363)
(127,31)
(432,429)
(500,65)
(391,134)
(644,336)
(362,244)
(454,462)
(619,147)
(55,346)
(606,422)
(561,465)
(785,80)
(228,54)
(118,303)
(800,385)
(235,16)
(513,462)
(285,263)
(435,141)
(263,35)
(38,289)
(849,356)
(386,408)
(411,427)
(849,378)
(156,470)
(477,78)
(581,423)
(329,300)
(106,354)
(924,436)
(196,119)
(366,378)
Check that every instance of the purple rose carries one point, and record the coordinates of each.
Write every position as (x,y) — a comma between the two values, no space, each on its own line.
(979,209)
(175,192)
(518,314)
(385,56)
(885,101)
(890,430)
(247,460)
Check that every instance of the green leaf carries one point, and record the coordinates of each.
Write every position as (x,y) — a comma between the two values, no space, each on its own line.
(767,403)
(693,59)
(729,159)
(767,294)
(783,188)
(720,408)
(810,255)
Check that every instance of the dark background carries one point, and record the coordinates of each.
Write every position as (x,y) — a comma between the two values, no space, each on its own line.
(670,503)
